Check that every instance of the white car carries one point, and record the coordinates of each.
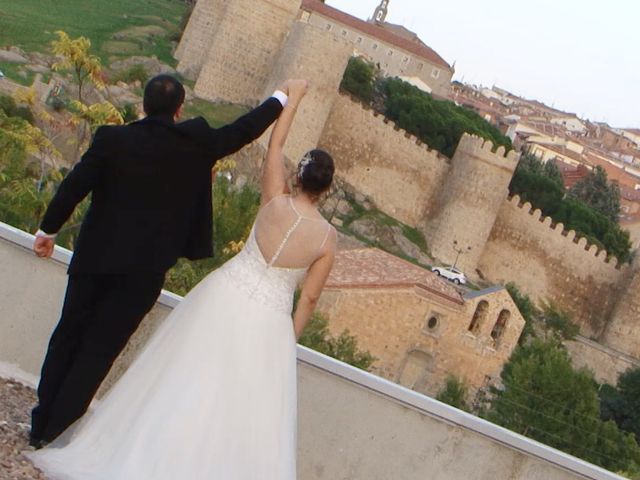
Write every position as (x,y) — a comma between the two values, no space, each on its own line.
(452,274)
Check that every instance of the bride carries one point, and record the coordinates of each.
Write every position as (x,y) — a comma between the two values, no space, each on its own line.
(213,394)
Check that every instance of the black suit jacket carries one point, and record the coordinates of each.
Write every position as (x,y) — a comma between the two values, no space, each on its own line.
(151,191)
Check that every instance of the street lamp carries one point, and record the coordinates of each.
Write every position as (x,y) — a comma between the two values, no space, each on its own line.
(459,251)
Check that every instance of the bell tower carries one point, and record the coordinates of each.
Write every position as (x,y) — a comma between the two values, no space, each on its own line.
(380,15)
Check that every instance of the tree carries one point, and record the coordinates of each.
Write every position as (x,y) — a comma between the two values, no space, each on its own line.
(527,309)
(544,398)
(86,67)
(438,123)
(539,184)
(454,393)
(622,403)
(75,56)
(344,347)
(558,322)
(358,79)
(596,191)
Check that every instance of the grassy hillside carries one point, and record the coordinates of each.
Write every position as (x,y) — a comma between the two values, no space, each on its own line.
(115,27)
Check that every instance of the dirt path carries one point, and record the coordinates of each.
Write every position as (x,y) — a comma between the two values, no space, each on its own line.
(16,401)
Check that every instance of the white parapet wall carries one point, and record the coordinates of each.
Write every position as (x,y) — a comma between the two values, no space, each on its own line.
(352,425)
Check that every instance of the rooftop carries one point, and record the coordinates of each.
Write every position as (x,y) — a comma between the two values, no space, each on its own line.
(373,268)
(388,33)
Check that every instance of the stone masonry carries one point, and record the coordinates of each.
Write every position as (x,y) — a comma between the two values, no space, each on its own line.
(238,51)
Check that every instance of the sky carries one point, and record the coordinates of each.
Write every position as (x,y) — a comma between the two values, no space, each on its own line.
(581,56)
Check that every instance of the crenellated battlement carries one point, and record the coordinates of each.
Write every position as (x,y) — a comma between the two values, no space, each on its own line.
(239,51)
(378,118)
(570,237)
(473,146)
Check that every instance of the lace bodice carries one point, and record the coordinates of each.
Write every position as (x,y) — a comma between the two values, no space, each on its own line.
(281,247)
(272,286)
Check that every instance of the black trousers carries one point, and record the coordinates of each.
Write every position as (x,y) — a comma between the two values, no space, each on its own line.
(99,315)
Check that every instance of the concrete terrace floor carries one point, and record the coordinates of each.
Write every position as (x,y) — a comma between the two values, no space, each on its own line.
(16,401)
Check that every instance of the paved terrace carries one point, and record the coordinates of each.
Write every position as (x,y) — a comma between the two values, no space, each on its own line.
(352,425)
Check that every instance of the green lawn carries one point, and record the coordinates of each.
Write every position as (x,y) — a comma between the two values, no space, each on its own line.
(147,27)
(217,114)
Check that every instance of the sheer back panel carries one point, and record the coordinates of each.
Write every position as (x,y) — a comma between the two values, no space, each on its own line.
(288,238)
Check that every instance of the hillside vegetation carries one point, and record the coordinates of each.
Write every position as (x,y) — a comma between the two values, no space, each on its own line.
(438,123)
(116,27)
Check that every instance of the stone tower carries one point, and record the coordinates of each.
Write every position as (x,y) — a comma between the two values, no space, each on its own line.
(198,35)
(318,55)
(231,46)
(380,14)
(621,331)
(469,201)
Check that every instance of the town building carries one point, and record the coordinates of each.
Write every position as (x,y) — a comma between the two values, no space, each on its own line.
(418,326)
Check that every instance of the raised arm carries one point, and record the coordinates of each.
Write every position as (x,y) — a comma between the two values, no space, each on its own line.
(274,174)
(314,283)
(231,138)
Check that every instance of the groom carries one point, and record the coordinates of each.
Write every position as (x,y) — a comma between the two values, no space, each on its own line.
(150,185)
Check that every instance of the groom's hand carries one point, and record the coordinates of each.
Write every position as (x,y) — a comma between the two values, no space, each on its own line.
(43,246)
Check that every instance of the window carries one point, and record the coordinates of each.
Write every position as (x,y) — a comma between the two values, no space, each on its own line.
(390,53)
(500,326)
(435,73)
(329,27)
(375,46)
(359,40)
(405,60)
(344,33)
(479,317)
(432,323)
(420,65)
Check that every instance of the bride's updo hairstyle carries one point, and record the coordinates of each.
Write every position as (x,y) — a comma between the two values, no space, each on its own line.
(315,172)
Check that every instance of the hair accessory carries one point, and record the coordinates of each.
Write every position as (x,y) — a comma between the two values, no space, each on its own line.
(306,160)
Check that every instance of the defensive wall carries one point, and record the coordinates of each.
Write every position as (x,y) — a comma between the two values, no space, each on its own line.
(548,263)
(469,201)
(606,363)
(321,57)
(396,170)
(240,50)
(351,424)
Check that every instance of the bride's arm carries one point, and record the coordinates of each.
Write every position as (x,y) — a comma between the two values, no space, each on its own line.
(313,285)
(274,175)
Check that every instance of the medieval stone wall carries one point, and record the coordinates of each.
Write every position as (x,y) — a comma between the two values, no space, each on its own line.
(549,264)
(605,363)
(240,51)
(393,168)
(622,332)
(198,35)
(243,49)
(469,201)
(321,57)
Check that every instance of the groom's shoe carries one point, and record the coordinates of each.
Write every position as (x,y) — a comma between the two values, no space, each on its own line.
(37,443)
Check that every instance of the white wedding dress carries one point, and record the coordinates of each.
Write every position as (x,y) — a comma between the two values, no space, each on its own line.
(213,394)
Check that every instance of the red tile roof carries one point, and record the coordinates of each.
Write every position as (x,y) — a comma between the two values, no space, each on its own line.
(373,268)
(383,34)
(614,173)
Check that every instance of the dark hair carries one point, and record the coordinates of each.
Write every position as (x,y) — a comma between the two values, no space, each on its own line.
(163,95)
(315,172)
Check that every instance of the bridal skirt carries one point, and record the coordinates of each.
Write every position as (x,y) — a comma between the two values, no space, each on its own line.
(212,396)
